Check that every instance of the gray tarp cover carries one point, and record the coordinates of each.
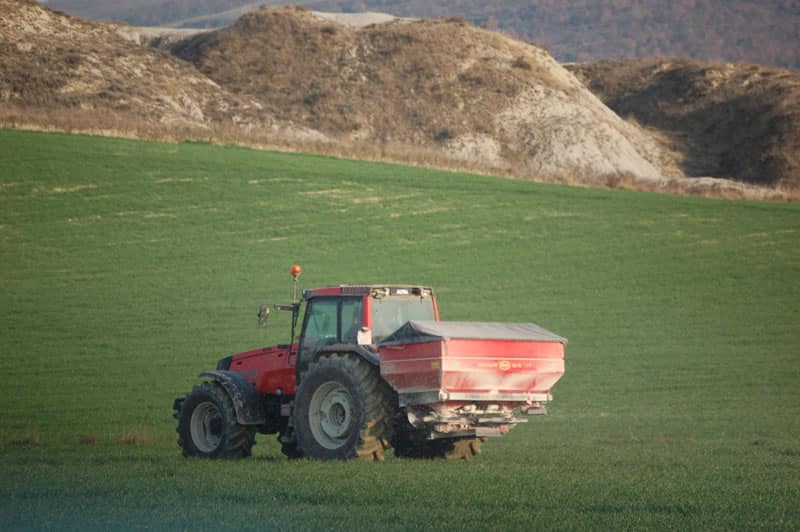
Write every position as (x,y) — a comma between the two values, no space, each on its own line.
(425,331)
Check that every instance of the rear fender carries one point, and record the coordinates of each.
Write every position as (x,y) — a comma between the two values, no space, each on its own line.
(358,350)
(243,394)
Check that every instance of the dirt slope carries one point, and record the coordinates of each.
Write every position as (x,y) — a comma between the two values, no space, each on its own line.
(735,121)
(446,85)
(59,70)
(56,61)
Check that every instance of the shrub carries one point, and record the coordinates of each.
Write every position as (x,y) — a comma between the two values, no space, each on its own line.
(521,62)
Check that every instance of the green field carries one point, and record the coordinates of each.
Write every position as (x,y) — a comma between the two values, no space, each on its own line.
(128,267)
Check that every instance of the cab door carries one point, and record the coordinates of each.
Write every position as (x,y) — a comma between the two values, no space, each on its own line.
(329,321)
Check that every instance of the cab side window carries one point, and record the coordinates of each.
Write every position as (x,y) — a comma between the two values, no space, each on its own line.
(351,320)
(321,327)
(331,321)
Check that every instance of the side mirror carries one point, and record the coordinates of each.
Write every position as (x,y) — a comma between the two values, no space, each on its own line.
(263,314)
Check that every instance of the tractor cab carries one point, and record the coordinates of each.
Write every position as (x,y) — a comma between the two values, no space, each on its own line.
(338,316)
(332,319)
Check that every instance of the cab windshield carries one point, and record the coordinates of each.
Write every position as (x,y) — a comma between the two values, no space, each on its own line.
(391,313)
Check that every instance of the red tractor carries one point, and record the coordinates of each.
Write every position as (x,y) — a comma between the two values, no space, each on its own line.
(372,368)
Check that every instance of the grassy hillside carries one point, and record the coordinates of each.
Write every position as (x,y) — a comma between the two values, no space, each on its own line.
(127,267)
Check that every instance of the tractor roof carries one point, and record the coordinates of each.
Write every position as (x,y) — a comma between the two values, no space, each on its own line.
(374,289)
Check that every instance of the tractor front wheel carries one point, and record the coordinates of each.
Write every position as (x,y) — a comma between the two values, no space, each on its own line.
(207,425)
(342,410)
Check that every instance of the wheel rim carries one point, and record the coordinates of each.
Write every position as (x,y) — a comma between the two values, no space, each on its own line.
(206,427)
(330,415)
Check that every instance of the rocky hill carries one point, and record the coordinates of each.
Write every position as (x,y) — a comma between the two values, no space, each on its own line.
(70,73)
(52,62)
(741,121)
(752,31)
(472,94)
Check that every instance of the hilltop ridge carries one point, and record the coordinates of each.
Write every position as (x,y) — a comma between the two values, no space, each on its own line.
(749,31)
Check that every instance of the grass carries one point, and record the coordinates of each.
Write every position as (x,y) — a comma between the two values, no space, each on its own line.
(121,125)
(127,267)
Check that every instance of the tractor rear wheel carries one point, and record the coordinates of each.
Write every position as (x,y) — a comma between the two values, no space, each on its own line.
(342,410)
(207,425)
